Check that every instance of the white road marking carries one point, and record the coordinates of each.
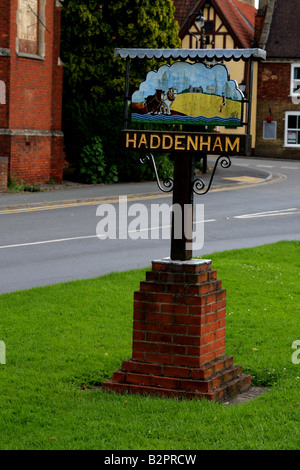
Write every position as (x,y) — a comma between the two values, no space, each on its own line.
(85,237)
(265,166)
(44,242)
(241,164)
(268,214)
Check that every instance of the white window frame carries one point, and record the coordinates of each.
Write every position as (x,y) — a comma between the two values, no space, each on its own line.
(287,114)
(293,67)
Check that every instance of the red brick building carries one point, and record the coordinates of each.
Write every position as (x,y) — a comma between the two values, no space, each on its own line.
(31,90)
(278,88)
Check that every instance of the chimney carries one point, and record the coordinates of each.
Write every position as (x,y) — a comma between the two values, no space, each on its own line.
(262,3)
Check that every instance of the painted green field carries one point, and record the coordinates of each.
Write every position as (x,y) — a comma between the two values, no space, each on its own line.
(202,104)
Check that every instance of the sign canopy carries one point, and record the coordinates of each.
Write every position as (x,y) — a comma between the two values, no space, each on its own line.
(185,54)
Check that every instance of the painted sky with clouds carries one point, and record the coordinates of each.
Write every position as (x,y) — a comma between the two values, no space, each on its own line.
(182,75)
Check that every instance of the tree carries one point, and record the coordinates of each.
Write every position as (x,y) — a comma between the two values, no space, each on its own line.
(94,80)
(91,30)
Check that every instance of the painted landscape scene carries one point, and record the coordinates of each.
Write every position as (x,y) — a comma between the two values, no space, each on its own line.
(185,93)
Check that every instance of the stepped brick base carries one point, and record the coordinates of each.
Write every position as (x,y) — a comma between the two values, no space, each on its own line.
(178,347)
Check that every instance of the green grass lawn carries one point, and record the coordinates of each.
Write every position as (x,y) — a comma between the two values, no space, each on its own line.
(61,341)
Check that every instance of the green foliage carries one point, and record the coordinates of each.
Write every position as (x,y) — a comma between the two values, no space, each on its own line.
(94,80)
(90,120)
(91,31)
(13,186)
(93,165)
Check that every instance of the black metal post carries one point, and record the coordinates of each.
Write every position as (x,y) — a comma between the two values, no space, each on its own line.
(182,215)
(250,94)
(127,98)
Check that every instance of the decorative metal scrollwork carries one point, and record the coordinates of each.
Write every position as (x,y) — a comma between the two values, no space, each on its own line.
(167,184)
(199,185)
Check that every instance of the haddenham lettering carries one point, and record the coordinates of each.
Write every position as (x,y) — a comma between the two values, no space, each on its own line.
(214,144)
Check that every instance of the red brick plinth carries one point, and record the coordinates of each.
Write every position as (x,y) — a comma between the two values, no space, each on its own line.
(178,346)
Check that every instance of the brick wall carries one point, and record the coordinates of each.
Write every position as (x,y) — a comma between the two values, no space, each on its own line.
(273,99)
(30,157)
(4,60)
(3,173)
(274,81)
(31,82)
(57,74)
(4,23)
(4,77)
(5,142)
(32,112)
(58,157)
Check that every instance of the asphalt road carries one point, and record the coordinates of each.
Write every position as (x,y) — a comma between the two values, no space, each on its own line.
(50,237)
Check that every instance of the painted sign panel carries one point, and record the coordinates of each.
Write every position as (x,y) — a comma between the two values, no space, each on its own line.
(186,93)
(207,143)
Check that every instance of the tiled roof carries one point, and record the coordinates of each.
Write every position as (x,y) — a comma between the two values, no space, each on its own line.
(284,38)
(183,8)
(239,16)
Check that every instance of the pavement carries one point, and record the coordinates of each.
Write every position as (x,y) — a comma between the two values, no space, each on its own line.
(75,193)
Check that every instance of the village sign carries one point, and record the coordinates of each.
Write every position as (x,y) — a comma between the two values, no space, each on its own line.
(178,346)
(194,95)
